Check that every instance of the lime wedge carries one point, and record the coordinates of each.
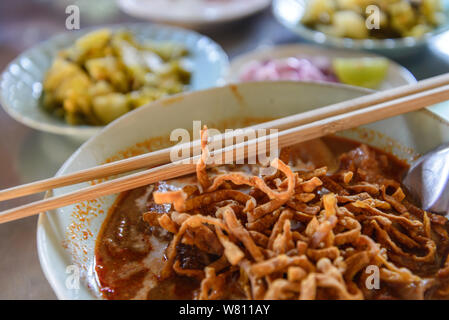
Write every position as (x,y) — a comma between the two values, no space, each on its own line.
(361,72)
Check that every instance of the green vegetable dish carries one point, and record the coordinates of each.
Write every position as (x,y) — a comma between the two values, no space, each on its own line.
(106,74)
(395,18)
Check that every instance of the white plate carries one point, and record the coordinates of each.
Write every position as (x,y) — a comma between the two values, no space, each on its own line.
(67,236)
(193,12)
(397,75)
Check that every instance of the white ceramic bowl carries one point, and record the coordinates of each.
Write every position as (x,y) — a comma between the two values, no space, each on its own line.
(192,13)
(21,82)
(397,75)
(290,12)
(67,236)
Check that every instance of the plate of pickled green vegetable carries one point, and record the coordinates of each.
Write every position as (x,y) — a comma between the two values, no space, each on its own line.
(392,28)
(77,82)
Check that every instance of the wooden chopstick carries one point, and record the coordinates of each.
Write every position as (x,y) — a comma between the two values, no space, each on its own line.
(286,138)
(163,156)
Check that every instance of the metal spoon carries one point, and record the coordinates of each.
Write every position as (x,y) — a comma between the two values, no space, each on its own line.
(427,180)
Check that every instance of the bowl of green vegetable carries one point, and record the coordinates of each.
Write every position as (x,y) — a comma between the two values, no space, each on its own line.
(391,28)
(77,82)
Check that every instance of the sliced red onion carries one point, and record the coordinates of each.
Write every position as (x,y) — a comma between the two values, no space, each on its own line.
(292,68)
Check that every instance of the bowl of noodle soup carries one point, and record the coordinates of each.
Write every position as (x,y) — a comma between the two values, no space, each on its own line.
(318,182)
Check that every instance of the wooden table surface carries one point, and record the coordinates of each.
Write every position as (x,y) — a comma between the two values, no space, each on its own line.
(27,155)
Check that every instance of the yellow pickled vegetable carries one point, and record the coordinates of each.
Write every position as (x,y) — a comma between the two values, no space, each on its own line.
(110,106)
(106,74)
(319,11)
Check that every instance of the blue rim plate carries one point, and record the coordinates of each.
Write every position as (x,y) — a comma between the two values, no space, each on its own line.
(21,81)
(290,12)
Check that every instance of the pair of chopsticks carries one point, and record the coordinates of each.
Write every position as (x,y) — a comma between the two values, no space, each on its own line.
(293,129)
